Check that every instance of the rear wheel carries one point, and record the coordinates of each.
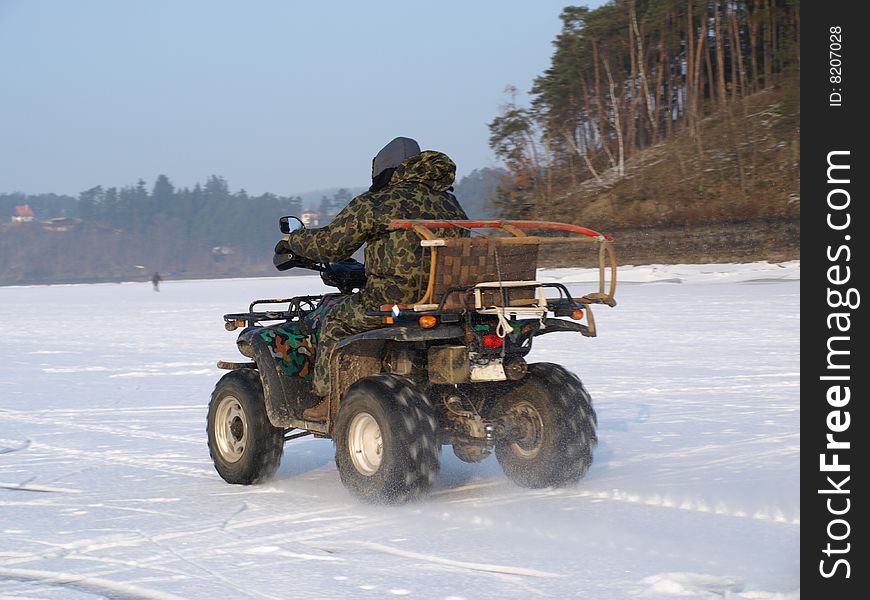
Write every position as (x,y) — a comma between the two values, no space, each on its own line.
(550,428)
(243,445)
(386,444)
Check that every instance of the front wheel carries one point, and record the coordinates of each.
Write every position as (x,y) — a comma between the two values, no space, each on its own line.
(549,428)
(386,444)
(242,443)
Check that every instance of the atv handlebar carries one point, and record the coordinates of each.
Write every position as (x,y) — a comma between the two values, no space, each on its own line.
(289,260)
(347,275)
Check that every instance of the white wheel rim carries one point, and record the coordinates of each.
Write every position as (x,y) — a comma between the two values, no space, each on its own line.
(231,429)
(530,420)
(365,444)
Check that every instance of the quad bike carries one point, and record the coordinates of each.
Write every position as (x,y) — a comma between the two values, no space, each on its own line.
(448,370)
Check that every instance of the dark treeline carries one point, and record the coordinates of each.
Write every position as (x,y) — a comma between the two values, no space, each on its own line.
(44,206)
(109,234)
(206,216)
(631,74)
(112,234)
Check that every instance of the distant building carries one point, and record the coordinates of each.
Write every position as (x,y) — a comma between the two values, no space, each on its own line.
(310,218)
(23,214)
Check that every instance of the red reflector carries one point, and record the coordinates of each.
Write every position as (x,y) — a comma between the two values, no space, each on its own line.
(492,341)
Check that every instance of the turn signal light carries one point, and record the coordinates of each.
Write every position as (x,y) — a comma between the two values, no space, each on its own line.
(427,321)
(492,341)
(577,314)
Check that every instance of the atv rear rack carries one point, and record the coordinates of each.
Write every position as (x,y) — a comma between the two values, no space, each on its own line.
(476,260)
(501,270)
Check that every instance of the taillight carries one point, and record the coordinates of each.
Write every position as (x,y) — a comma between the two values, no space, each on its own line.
(427,321)
(492,341)
(233,325)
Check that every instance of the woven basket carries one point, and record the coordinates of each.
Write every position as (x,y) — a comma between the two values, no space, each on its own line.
(469,261)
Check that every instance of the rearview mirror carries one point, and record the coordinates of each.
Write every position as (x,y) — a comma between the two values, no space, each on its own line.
(290,224)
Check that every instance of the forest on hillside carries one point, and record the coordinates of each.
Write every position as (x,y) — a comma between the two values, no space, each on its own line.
(704,90)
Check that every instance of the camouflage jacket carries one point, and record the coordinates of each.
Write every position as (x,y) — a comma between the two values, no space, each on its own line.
(396,265)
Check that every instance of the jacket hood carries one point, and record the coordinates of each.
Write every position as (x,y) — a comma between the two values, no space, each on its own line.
(435,169)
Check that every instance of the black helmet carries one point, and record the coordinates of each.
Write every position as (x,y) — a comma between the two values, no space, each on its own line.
(394,154)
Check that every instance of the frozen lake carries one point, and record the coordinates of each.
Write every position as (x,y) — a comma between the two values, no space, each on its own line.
(107,488)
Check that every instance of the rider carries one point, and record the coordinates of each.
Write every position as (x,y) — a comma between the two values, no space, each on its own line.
(406,184)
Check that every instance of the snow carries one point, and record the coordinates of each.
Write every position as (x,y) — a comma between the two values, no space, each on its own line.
(107,489)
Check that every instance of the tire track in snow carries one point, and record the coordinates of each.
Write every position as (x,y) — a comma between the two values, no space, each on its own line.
(102,561)
(319,516)
(775,515)
(116,457)
(80,550)
(134,538)
(783,448)
(19,446)
(149,434)
(26,487)
(93,585)
(114,410)
(472,566)
(712,507)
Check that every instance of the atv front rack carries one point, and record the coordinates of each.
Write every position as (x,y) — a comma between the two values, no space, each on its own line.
(297,308)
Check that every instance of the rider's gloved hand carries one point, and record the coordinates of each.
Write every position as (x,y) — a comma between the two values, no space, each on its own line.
(283,246)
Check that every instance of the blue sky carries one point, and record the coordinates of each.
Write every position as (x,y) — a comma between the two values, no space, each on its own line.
(275,96)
